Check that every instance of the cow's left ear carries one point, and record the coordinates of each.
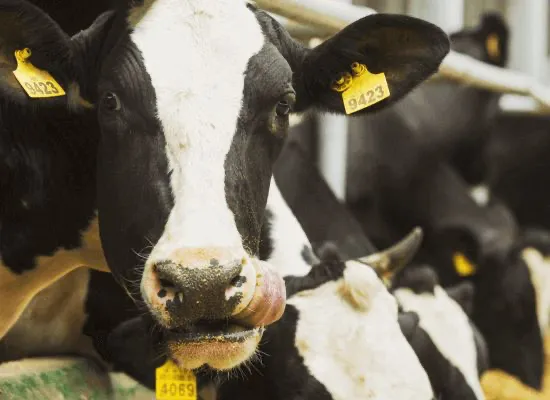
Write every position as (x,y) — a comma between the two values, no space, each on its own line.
(406,50)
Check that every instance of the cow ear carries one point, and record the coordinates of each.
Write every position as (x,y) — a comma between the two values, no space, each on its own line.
(32,43)
(463,294)
(406,50)
(408,322)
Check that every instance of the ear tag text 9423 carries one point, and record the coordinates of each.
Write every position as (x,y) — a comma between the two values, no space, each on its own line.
(362,89)
(36,82)
(173,383)
(463,266)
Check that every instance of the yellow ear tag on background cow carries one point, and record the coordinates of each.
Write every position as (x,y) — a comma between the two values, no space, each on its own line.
(463,266)
(173,383)
(492,46)
(36,82)
(361,90)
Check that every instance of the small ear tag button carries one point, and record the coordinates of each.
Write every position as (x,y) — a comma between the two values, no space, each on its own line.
(463,266)
(36,83)
(365,89)
(173,383)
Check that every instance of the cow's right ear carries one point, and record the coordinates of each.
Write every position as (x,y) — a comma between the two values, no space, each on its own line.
(34,44)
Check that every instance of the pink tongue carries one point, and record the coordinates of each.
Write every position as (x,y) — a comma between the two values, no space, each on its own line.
(268,303)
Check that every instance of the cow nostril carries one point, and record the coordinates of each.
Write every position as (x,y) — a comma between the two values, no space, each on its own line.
(165,283)
(238,281)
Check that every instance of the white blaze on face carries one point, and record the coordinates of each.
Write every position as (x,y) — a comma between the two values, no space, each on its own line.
(449,329)
(350,340)
(539,269)
(287,236)
(196,53)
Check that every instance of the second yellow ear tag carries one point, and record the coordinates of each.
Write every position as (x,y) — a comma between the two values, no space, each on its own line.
(363,89)
(492,46)
(36,82)
(463,266)
(173,383)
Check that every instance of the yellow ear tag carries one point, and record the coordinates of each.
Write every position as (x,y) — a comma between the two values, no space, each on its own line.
(37,83)
(361,90)
(492,46)
(463,266)
(173,383)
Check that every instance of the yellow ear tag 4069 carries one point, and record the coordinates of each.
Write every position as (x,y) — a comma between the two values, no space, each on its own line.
(36,82)
(361,90)
(463,266)
(173,383)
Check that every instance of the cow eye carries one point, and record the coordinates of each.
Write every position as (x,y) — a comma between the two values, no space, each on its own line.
(284,106)
(111,101)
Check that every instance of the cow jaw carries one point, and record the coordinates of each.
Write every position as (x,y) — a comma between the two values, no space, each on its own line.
(221,350)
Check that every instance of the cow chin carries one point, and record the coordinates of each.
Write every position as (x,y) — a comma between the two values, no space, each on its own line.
(219,351)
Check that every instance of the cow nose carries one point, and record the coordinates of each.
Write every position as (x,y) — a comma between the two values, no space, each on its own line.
(197,285)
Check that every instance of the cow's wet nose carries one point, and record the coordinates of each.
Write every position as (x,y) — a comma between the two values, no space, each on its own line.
(201,284)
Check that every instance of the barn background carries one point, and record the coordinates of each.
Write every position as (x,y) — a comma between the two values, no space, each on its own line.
(529,53)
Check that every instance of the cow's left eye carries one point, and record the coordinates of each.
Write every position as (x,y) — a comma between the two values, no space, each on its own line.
(284,106)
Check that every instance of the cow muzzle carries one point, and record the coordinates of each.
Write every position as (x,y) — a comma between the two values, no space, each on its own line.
(212,304)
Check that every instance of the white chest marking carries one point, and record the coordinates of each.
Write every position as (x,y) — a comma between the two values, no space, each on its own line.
(449,328)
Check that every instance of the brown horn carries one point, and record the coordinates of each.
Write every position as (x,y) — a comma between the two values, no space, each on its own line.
(388,262)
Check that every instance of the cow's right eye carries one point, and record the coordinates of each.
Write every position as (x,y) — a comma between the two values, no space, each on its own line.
(111,102)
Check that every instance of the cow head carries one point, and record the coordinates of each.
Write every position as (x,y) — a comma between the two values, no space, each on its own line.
(193,100)
(485,251)
(305,350)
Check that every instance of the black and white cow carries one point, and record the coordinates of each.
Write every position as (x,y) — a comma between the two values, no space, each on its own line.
(485,239)
(449,346)
(192,101)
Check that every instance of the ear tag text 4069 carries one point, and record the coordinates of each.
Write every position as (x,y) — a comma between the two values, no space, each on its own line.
(362,89)
(173,383)
(36,82)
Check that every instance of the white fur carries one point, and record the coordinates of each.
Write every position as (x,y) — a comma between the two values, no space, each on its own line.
(449,328)
(481,194)
(539,269)
(287,236)
(357,352)
(196,53)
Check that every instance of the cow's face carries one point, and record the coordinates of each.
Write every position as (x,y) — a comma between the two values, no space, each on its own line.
(193,100)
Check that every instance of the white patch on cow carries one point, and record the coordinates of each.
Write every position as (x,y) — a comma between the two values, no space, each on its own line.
(287,236)
(52,323)
(539,269)
(17,291)
(481,194)
(448,327)
(349,338)
(196,53)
